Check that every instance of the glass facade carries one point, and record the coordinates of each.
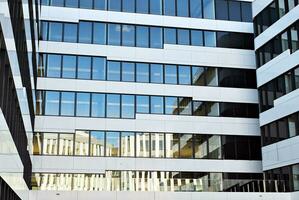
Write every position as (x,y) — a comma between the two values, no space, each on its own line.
(141,36)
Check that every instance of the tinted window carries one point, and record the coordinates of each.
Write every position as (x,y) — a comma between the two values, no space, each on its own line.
(169,7)
(114,34)
(156,7)
(171,105)
(114,5)
(86,4)
(185,106)
(54,66)
(211,77)
(142,104)
(199,108)
(52,103)
(55,31)
(196,38)
(184,75)
(156,73)
(98,105)
(98,68)
(198,76)
(142,36)
(100,4)
(170,74)
(85,32)
(84,67)
(246,12)
(157,105)
(67,103)
(170,35)
(83,104)
(128,71)
(57,2)
(128,35)
(200,146)
(142,72)
(113,71)
(142,6)
(70,33)
(234,10)
(128,5)
(99,33)
(183,37)
(127,106)
(69,67)
(113,105)
(186,146)
(221,9)
(155,37)
(195,8)
(182,8)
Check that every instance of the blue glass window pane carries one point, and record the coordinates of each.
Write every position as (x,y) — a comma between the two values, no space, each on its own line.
(113,105)
(113,71)
(54,66)
(142,72)
(156,37)
(169,7)
(85,32)
(196,38)
(128,72)
(84,67)
(171,74)
(210,38)
(52,103)
(45,2)
(70,32)
(67,104)
(114,5)
(234,10)
(112,144)
(183,37)
(99,33)
(170,36)
(128,106)
(156,7)
(128,6)
(44,30)
(184,75)
(55,31)
(98,68)
(198,76)
(98,105)
(183,8)
(142,36)
(157,73)
(57,2)
(69,66)
(100,4)
(142,104)
(221,9)
(208,9)
(171,105)
(196,8)
(128,35)
(86,4)
(71,3)
(246,12)
(157,105)
(83,104)
(142,6)
(114,34)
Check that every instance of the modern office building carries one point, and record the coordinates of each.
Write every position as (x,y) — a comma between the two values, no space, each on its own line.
(276,44)
(18,43)
(153,99)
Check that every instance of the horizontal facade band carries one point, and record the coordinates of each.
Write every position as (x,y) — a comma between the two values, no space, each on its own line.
(74,15)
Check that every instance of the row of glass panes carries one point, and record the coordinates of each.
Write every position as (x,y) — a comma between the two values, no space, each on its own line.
(140,36)
(154,145)
(98,68)
(209,9)
(83,104)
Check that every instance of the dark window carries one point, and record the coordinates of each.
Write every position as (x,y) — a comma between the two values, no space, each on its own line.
(142,36)
(198,76)
(69,66)
(128,71)
(99,33)
(242,148)
(128,6)
(114,32)
(85,32)
(246,12)
(185,106)
(169,7)
(84,67)
(142,72)
(170,36)
(186,146)
(199,108)
(98,68)
(196,8)
(70,32)
(234,10)
(142,6)
(113,71)
(221,9)
(128,35)
(114,5)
